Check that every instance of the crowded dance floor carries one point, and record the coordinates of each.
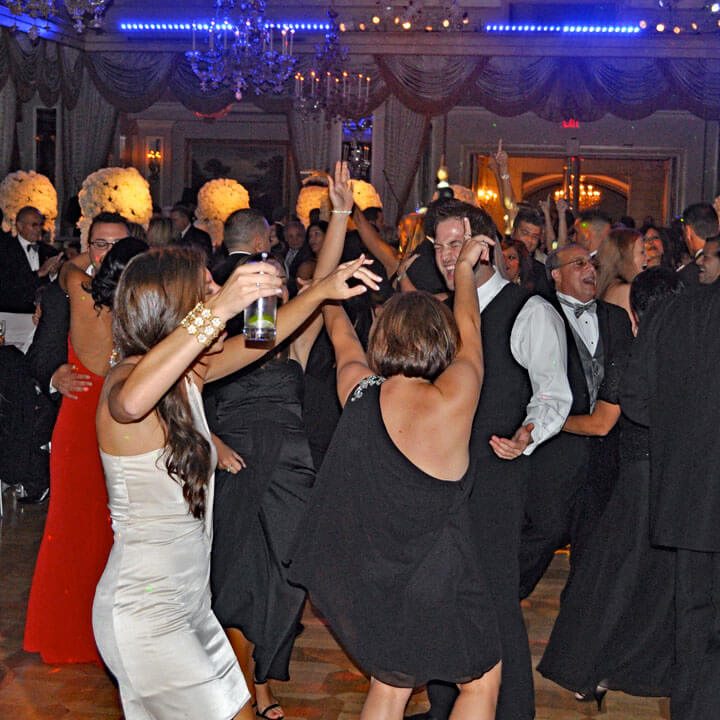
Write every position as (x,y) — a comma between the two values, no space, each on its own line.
(359,362)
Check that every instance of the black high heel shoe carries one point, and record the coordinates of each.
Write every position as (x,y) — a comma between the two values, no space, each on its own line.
(597,695)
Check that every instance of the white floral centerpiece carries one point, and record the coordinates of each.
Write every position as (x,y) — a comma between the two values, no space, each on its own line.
(22,189)
(217,200)
(316,195)
(114,189)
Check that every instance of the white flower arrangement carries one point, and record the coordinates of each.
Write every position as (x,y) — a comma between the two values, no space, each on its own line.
(114,189)
(317,196)
(22,189)
(217,200)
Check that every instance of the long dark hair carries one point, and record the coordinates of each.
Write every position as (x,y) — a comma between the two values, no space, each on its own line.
(104,283)
(155,292)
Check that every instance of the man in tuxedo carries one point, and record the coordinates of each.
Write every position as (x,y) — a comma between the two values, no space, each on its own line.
(699,222)
(26,263)
(295,238)
(683,336)
(572,475)
(528,229)
(525,401)
(187,235)
(246,232)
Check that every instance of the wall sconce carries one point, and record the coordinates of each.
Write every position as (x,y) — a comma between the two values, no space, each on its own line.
(154,160)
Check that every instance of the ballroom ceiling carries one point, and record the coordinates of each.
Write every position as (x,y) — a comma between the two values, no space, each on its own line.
(387,38)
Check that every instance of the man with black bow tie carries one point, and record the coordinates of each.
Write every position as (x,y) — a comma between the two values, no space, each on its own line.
(572,475)
(25,263)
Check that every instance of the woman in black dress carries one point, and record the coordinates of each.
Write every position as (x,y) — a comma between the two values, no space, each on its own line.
(615,629)
(386,551)
(265,474)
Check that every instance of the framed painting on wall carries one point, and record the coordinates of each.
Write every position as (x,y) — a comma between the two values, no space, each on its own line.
(261,167)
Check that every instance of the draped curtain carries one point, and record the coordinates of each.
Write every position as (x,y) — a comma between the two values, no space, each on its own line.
(310,142)
(406,135)
(87,131)
(8,106)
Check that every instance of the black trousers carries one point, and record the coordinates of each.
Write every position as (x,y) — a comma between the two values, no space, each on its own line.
(696,681)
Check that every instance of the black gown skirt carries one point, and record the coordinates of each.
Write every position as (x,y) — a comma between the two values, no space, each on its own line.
(386,553)
(616,621)
(257,412)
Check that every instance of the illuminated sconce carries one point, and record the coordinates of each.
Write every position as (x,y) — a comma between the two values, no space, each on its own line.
(154,159)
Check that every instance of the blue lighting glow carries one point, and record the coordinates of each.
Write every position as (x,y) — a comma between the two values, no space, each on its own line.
(184,27)
(576,29)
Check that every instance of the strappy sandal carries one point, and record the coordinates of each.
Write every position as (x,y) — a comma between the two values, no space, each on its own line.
(264,713)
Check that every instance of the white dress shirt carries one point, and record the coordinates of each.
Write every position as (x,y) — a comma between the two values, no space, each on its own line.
(538,343)
(586,326)
(33,256)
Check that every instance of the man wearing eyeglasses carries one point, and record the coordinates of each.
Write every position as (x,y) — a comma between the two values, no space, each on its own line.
(47,355)
(572,475)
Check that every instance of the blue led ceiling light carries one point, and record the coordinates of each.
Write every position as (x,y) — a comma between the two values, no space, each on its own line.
(184,27)
(575,29)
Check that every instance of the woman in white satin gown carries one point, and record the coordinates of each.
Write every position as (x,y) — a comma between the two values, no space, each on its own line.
(151,617)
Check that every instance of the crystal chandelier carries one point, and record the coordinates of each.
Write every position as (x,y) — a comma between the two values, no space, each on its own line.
(83,13)
(244,53)
(329,88)
(588,195)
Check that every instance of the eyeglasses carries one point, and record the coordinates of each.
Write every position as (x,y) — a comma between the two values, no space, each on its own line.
(102,244)
(581,263)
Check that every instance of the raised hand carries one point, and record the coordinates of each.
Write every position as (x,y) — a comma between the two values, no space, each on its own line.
(339,188)
(476,248)
(335,287)
(545,205)
(562,205)
(246,284)
(499,160)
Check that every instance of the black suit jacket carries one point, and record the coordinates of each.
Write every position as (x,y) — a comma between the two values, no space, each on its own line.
(50,343)
(673,385)
(18,283)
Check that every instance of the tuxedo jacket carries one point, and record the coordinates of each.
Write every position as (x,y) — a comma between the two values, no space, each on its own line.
(18,283)
(49,349)
(673,385)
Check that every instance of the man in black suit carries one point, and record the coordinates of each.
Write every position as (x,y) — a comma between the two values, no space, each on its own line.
(186,234)
(246,232)
(528,229)
(26,263)
(699,222)
(572,475)
(683,416)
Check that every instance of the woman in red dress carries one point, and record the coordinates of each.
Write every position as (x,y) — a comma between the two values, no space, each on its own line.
(78,537)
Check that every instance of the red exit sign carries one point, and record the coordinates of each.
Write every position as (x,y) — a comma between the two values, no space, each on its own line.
(570,123)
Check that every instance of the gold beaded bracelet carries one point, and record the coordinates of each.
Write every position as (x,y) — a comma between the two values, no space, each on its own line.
(202,324)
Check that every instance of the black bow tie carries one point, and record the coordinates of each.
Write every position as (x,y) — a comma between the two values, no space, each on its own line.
(579,308)
(34,246)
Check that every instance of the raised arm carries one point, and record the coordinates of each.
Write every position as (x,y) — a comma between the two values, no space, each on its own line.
(562,208)
(498,163)
(135,389)
(386,254)
(549,229)
(462,379)
(236,354)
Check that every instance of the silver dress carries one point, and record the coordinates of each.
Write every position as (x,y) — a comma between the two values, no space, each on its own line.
(151,617)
